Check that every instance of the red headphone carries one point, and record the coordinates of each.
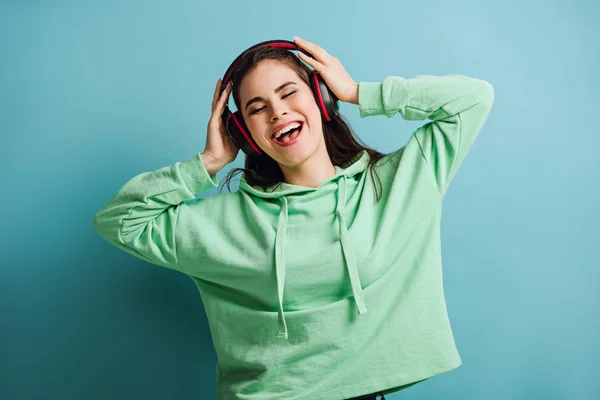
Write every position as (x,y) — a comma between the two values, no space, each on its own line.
(234,123)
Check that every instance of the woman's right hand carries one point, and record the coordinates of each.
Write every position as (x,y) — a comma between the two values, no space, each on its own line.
(219,148)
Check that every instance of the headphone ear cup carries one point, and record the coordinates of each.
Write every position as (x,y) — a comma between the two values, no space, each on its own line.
(239,132)
(327,101)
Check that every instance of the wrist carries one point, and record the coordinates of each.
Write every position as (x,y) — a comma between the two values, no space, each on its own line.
(354,95)
(210,163)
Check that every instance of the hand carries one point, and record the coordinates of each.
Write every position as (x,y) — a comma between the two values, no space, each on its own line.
(332,71)
(219,146)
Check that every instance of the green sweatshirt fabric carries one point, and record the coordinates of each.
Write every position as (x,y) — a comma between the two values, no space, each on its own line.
(318,293)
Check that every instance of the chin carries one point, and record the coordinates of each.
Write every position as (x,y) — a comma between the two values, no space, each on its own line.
(295,159)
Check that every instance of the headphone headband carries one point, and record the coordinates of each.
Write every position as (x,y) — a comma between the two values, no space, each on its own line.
(282,44)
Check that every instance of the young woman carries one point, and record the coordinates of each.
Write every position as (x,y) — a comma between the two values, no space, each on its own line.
(321,276)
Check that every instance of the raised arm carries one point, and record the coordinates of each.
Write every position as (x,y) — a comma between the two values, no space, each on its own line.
(457,106)
(142,217)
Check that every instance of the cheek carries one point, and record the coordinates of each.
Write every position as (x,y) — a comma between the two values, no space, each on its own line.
(314,115)
(256,126)
(313,103)
(308,106)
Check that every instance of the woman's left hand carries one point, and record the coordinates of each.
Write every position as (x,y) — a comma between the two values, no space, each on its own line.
(332,71)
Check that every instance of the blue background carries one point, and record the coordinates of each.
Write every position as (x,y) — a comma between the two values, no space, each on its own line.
(93,93)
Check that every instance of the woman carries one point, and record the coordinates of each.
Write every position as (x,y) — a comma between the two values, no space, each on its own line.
(321,276)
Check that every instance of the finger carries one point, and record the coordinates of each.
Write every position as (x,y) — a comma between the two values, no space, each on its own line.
(220,97)
(216,93)
(314,49)
(312,62)
(223,98)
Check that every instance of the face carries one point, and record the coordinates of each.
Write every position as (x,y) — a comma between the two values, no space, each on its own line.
(271,97)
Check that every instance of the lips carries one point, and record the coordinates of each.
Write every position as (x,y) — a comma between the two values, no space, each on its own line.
(290,142)
(281,126)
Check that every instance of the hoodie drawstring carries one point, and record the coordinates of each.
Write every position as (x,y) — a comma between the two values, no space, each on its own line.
(280,264)
(348,252)
(346,248)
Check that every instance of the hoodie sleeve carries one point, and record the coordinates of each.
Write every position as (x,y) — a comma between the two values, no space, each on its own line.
(142,216)
(457,106)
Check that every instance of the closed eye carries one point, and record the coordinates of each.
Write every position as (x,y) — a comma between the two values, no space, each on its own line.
(283,97)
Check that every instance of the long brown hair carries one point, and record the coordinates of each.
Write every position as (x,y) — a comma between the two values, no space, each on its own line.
(341,142)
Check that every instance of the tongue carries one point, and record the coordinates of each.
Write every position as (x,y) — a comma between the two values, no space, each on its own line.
(289,136)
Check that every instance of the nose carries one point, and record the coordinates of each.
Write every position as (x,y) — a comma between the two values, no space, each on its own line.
(278,111)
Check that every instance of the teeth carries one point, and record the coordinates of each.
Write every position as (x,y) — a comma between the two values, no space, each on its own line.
(286,129)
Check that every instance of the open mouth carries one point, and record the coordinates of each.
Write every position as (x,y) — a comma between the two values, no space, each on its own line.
(289,137)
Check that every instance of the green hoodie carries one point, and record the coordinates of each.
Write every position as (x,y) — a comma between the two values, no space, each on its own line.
(318,293)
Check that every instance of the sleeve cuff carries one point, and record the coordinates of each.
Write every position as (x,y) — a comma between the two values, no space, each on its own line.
(370,99)
(195,176)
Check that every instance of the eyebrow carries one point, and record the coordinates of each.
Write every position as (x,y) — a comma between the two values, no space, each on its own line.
(277,90)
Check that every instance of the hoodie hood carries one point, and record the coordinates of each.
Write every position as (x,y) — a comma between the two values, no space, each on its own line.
(281,191)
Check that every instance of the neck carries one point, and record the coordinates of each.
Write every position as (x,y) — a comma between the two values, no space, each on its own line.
(310,173)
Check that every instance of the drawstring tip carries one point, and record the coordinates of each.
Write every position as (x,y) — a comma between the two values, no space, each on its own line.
(283,335)
(362,308)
